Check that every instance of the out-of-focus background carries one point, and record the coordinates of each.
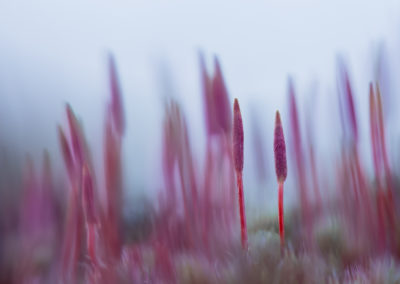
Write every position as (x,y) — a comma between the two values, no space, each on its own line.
(53,52)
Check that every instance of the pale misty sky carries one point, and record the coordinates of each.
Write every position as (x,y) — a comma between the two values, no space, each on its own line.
(52,52)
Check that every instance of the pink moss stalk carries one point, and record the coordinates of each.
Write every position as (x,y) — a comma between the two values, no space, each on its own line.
(238,141)
(73,153)
(116,98)
(310,131)
(350,105)
(385,159)
(212,131)
(384,201)
(179,172)
(348,99)
(374,132)
(169,159)
(223,114)
(298,152)
(113,132)
(66,152)
(72,240)
(350,119)
(208,99)
(238,137)
(281,171)
(88,204)
(381,127)
(221,99)
(77,143)
(359,182)
(218,160)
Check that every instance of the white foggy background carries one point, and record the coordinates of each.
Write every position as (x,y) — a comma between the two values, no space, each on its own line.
(53,52)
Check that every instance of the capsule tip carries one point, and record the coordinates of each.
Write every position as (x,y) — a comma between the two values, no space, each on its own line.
(238,138)
(280,150)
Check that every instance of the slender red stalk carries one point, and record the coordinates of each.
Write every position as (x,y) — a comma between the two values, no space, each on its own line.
(66,151)
(281,170)
(380,200)
(207,188)
(243,226)
(117,109)
(76,138)
(297,149)
(374,133)
(189,161)
(281,221)
(88,202)
(315,176)
(382,134)
(231,178)
(348,100)
(350,106)
(91,241)
(386,166)
(280,150)
(89,210)
(209,105)
(114,131)
(387,198)
(238,138)
(72,241)
(220,95)
(238,141)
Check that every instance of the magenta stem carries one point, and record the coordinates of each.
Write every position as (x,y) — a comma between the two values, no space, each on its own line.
(243,227)
(91,242)
(281,221)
